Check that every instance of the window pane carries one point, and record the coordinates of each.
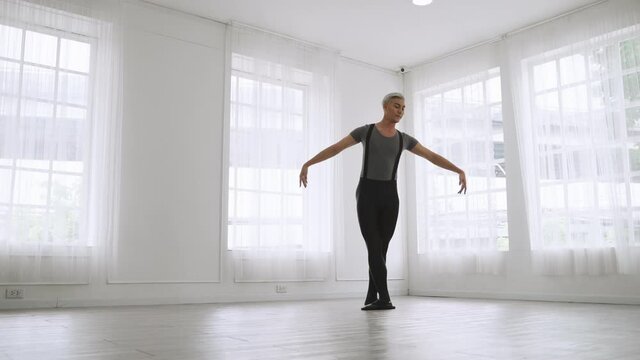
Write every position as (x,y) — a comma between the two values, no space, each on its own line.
(548,102)
(38,82)
(574,100)
(40,48)
(68,166)
(479,203)
(474,94)
(248,178)
(270,206)
(552,197)
(31,188)
(293,207)
(545,76)
(8,109)
(636,228)
(554,230)
(71,112)
(36,109)
(5,185)
(453,100)
(499,201)
(36,127)
(9,77)
(581,195)
(11,40)
(630,53)
(572,69)
(72,88)
(494,90)
(65,190)
(579,164)
(633,121)
(634,157)
(433,107)
(635,191)
(246,117)
(294,234)
(270,236)
(291,182)
(271,119)
(296,122)
(69,139)
(271,96)
(631,87)
(247,204)
(247,91)
(294,100)
(30,224)
(32,164)
(244,236)
(551,166)
(609,162)
(65,225)
(271,180)
(75,55)
(242,63)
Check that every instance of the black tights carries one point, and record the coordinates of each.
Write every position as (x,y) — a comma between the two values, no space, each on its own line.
(378,206)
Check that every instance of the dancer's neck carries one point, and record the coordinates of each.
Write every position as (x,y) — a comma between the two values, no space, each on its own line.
(386,127)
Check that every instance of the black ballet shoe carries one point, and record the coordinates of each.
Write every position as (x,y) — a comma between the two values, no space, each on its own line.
(367,301)
(379,305)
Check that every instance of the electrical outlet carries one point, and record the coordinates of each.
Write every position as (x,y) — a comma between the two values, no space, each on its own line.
(281,288)
(14,293)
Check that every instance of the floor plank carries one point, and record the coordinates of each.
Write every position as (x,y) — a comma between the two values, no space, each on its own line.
(420,328)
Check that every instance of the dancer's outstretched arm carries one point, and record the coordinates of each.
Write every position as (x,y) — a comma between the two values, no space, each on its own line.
(440,161)
(325,154)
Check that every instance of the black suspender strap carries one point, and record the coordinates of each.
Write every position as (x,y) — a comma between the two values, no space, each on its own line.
(395,166)
(366,151)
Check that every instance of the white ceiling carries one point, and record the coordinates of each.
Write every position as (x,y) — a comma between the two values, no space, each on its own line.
(385,33)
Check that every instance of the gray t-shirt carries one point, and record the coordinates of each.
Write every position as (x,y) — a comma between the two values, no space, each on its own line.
(382,151)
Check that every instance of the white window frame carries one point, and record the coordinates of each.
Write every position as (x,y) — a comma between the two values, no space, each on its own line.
(233,187)
(14,167)
(615,78)
(500,236)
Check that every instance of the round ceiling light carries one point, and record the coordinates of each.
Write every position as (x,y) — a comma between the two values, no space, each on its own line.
(422,2)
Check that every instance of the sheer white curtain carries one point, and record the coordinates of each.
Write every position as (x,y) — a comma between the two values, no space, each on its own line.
(457,112)
(281,96)
(59,137)
(576,88)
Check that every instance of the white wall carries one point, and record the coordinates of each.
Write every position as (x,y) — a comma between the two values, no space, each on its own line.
(169,248)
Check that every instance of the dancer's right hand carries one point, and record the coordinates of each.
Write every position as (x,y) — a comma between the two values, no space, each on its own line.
(303,176)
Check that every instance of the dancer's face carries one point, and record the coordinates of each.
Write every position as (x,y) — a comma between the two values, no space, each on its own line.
(394,110)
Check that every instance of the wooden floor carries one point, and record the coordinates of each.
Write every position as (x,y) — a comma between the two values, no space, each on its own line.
(420,328)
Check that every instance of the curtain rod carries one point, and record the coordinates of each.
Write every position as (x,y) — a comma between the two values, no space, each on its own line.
(505,35)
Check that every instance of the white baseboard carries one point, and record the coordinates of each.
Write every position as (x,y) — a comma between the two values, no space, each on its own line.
(17,304)
(223,298)
(595,299)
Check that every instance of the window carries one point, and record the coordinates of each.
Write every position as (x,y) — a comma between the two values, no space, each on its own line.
(268,117)
(586,134)
(462,121)
(45,82)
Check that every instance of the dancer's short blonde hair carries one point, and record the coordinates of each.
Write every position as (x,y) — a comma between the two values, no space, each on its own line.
(393,95)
